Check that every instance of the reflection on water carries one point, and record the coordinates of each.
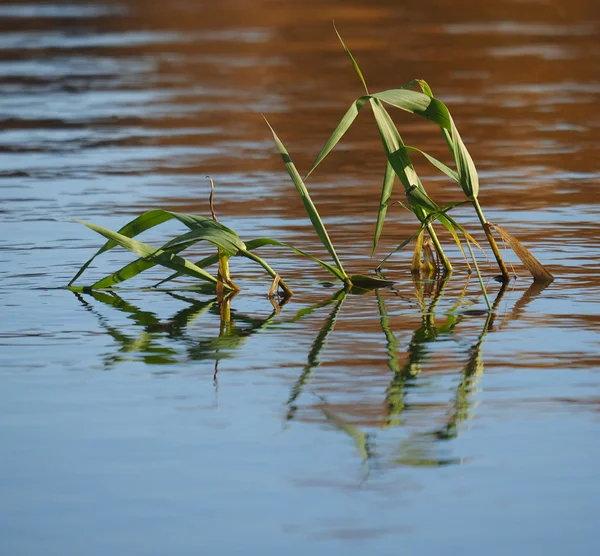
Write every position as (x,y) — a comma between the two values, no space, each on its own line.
(339,416)
(148,346)
(419,448)
(155,341)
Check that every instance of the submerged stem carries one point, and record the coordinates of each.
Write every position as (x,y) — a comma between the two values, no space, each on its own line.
(491,240)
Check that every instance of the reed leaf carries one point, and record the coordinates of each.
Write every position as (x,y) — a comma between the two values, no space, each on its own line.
(218,235)
(339,131)
(535,268)
(214,232)
(169,260)
(452,174)
(138,225)
(261,242)
(130,271)
(386,194)
(309,206)
(436,111)
(352,59)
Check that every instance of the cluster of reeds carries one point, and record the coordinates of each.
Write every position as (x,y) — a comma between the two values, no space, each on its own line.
(429,255)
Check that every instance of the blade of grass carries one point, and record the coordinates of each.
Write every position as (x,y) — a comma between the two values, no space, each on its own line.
(129,271)
(138,225)
(308,204)
(153,218)
(452,174)
(168,260)
(386,194)
(339,131)
(261,242)
(205,229)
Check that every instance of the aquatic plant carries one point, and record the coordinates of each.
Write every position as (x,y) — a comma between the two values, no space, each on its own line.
(428,255)
(357,280)
(399,164)
(201,228)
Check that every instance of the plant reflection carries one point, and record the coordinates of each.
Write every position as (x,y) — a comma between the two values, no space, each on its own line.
(421,448)
(234,330)
(427,333)
(313,356)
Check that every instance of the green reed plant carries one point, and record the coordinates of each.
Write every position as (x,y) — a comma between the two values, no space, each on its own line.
(399,164)
(227,242)
(357,280)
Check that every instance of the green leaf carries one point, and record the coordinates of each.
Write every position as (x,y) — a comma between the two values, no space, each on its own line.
(452,174)
(219,236)
(261,242)
(309,206)
(138,225)
(417,103)
(129,271)
(427,106)
(354,63)
(402,245)
(339,131)
(467,173)
(210,230)
(395,150)
(215,232)
(202,263)
(386,194)
(169,260)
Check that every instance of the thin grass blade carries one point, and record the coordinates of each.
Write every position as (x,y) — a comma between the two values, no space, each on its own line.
(169,260)
(128,271)
(219,236)
(386,194)
(352,59)
(261,242)
(402,245)
(309,206)
(202,263)
(339,131)
(138,225)
(452,174)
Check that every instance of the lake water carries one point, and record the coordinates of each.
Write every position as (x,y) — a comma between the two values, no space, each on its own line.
(399,421)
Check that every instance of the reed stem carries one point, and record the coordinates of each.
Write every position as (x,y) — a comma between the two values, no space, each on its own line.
(438,247)
(491,240)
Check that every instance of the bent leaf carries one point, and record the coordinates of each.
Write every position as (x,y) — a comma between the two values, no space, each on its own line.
(144,222)
(169,260)
(535,268)
(339,131)
(309,206)
(219,236)
(261,242)
(129,271)
(452,174)
(386,194)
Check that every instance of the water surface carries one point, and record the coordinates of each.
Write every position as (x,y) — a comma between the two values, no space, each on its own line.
(138,422)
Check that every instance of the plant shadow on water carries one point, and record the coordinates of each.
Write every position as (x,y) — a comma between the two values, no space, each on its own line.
(423,447)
